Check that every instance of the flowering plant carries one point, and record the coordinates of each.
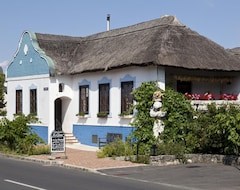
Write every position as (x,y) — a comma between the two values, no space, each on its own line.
(228,97)
(206,96)
(210,96)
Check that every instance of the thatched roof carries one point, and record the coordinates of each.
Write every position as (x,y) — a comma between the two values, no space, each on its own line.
(164,41)
(235,51)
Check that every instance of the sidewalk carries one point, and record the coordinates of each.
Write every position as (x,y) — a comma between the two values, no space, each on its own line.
(83,157)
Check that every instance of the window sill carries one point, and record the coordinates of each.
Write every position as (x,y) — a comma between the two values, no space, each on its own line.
(83,116)
(126,116)
(104,116)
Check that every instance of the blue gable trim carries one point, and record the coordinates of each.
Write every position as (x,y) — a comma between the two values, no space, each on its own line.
(105,80)
(18,87)
(33,86)
(127,78)
(30,59)
(84,82)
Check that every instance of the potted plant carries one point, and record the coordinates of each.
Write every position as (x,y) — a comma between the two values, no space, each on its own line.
(102,114)
(126,114)
(81,114)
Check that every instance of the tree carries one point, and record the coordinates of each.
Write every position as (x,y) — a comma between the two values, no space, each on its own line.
(2,94)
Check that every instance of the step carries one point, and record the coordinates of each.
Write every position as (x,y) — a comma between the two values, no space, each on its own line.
(70,139)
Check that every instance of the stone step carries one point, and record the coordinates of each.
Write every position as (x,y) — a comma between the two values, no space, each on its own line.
(71,139)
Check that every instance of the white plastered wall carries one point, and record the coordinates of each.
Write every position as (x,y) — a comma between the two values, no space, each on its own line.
(41,83)
(140,74)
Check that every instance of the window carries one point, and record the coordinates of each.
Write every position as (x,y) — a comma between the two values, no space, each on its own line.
(60,87)
(83,99)
(126,96)
(33,101)
(18,101)
(184,86)
(104,98)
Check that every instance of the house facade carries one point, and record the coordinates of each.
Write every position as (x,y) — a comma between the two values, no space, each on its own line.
(82,85)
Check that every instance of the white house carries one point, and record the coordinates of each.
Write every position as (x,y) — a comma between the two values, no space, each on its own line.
(57,77)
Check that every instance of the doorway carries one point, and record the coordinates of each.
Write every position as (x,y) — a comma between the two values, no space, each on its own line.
(58,114)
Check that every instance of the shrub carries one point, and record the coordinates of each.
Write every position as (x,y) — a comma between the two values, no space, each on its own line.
(220,130)
(172,148)
(143,135)
(17,135)
(41,149)
(115,149)
(179,115)
(216,130)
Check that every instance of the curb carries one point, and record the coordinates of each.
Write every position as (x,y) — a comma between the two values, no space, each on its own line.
(49,162)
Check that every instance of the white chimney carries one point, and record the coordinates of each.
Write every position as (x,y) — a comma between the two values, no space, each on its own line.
(108,22)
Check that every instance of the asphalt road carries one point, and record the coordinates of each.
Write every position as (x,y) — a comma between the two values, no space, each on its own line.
(189,177)
(26,175)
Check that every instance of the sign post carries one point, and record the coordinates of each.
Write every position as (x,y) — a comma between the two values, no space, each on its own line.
(58,142)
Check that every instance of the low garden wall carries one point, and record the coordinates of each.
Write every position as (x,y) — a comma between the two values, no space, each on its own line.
(164,160)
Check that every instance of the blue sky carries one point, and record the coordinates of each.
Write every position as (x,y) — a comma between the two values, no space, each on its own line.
(218,20)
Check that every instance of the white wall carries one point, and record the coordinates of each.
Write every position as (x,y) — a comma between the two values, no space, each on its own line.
(48,92)
(25,83)
(141,74)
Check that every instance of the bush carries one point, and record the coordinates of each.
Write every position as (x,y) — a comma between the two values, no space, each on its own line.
(17,135)
(143,122)
(41,149)
(216,130)
(172,148)
(219,130)
(177,120)
(115,149)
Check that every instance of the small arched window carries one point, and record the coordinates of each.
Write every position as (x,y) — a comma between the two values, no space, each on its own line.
(61,87)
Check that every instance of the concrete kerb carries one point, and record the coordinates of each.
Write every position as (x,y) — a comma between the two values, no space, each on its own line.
(49,162)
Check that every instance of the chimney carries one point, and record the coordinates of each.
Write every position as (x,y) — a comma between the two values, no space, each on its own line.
(108,22)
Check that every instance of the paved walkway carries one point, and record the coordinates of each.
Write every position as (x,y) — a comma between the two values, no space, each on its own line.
(84,157)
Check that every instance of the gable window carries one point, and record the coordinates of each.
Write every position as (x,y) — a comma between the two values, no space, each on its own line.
(104,97)
(33,101)
(18,101)
(126,96)
(83,99)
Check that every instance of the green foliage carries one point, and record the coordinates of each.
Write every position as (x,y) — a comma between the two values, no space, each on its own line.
(142,121)
(41,149)
(179,117)
(17,135)
(2,80)
(172,148)
(102,114)
(179,114)
(219,129)
(3,112)
(115,149)
(216,130)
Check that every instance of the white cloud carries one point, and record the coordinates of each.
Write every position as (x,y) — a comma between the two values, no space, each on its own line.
(4,65)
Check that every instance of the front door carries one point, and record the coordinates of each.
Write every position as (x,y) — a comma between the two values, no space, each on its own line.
(58,114)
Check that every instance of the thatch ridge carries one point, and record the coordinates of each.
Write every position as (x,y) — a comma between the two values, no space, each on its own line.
(235,51)
(164,41)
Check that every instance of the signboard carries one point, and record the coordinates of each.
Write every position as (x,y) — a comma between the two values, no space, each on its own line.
(57,141)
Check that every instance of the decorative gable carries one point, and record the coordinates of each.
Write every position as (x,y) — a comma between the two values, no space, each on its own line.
(29,59)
